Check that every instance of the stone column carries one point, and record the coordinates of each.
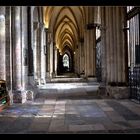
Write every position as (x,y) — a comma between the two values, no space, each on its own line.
(56,58)
(39,51)
(8,48)
(49,56)
(78,59)
(24,53)
(82,68)
(31,46)
(90,44)
(103,48)
(74,61)
(51,59)
(24,48)
(47,52)
(90,52)
(9,52)
(20,51)
(30,27)
(17,54)
(115,46)
(113,43)
(43,58)
(35,48)
(2,45)
(17,48)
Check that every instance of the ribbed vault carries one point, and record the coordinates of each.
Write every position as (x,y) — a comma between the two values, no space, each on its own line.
(66,25)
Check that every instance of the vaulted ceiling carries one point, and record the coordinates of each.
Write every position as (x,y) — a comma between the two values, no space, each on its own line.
(66,23)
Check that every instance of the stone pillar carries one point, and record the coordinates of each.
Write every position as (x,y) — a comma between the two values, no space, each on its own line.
(2,45)
(24,53)
(24,48)
(78,59)
(43,58)
(115,46)
(90,52)
(35,40)
(51,59)
(39,51)
(39,54)
(8,52)
(114,52)
(20,52)
(82,68)
(17,48)
(74,61)
(47,53)
(8,48)
(30,27)
(90,44)
(103,48)
(17,54)
(56,58)
(31,38)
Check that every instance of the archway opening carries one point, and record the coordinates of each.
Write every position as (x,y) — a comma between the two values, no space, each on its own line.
(66,62)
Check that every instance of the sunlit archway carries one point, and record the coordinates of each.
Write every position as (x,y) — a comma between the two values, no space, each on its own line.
(66,63)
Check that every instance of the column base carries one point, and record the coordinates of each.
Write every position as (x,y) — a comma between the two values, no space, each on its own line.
(53,75)
(37,81)
(102,90)
(42,81)
(23,96)
(118,92)
(47,79)
(115,92)
(19,96)
(83,76)
(11,96)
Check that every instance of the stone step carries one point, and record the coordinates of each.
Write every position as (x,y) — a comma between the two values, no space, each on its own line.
(67,80)
(42,97)
(67,86)
(68,90)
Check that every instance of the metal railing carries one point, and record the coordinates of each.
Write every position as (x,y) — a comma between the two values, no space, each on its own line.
(134,83)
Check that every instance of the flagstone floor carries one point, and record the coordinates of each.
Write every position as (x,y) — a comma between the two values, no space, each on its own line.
(66,109)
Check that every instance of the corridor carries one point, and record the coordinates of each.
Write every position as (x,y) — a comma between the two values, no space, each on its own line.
(69,69)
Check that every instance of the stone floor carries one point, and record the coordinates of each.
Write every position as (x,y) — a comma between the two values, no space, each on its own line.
(71,110)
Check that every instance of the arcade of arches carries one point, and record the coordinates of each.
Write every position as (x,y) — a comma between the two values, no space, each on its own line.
(39,44)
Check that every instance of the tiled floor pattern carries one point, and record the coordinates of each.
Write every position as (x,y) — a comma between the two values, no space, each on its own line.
(72,108)
(72,116)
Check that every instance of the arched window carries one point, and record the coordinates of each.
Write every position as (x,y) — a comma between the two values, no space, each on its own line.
(66,61)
